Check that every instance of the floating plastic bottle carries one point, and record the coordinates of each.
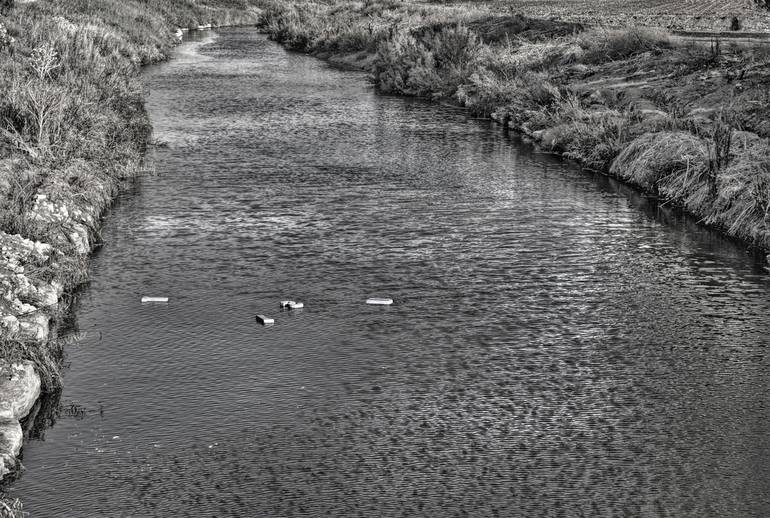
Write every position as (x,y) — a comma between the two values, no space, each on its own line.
(379,302)
(154,299)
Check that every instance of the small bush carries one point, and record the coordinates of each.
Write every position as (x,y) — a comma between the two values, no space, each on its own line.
(404,65)
(436,64)
(591,136)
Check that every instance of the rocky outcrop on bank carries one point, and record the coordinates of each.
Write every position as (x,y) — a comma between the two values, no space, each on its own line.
(20,387)
(33,278)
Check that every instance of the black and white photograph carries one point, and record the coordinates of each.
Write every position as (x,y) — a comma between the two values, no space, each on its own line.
(385,258)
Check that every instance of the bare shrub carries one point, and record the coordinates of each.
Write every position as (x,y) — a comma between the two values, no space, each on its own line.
(44,60)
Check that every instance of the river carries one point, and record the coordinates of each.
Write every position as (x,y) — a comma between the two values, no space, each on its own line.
(558,345)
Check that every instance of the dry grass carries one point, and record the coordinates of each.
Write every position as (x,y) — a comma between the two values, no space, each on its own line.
(11,508)
(601,45)
(742,205)
(654,158)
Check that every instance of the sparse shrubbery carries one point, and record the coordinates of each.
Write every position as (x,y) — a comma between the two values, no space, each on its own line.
(601,45)
(436,64)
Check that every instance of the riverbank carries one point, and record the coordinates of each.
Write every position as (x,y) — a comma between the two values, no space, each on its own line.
(686,123)
(74,133)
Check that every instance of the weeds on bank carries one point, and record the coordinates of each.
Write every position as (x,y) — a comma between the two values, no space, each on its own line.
(47,358)
(11,508)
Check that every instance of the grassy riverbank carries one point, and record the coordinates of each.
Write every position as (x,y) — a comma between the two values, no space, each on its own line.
(73,131)
(685,122)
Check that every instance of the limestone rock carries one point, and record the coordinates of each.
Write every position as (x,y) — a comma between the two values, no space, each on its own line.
(35,326)
(10,323)
(8,464)
(48,294)
(19,389)
(11,437)
(11,441)
(74,223)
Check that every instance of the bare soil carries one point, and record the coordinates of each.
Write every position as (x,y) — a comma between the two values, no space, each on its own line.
(689,15)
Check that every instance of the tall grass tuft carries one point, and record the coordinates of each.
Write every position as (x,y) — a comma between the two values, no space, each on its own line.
(11,508)
(656,159)
(742,205)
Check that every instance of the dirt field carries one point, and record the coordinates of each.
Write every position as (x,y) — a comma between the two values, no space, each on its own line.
(700,15)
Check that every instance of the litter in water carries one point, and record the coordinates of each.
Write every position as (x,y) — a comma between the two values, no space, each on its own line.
(262,319)
(380,302)
(154,299)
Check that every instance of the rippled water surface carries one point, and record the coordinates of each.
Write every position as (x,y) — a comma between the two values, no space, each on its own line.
(555,348)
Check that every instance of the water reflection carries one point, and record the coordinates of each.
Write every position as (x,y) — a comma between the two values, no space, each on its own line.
(555,348)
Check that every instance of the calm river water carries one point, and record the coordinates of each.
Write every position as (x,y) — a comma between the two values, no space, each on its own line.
(555,349)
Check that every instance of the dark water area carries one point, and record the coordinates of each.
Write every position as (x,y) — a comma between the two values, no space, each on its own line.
(555,349)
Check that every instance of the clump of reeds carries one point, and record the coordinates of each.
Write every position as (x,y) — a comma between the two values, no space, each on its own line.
(742,204)
(653,158)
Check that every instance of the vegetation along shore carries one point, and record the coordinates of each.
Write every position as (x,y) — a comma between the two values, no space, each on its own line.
(684,121)
(73,131)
